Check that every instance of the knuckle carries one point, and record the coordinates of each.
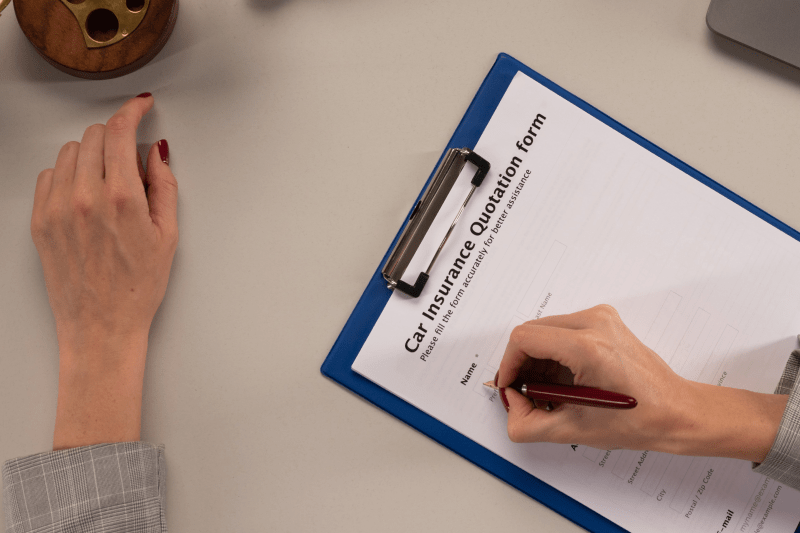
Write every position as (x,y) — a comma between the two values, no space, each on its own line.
(118,124)
(46,222)
(168,186)
(71,146)
(96,129)
(606,312)
(119,198)
(82,204)
(172,184)
(46,173)
(518,335)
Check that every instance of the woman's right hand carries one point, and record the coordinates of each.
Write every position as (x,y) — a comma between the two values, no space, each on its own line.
(594,348)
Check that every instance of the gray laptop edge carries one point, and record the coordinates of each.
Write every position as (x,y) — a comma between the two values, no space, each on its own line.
(768,26)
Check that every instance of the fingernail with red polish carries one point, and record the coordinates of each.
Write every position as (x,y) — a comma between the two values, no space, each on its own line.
(495,378)
(163,151)
(503,398)
(144,95)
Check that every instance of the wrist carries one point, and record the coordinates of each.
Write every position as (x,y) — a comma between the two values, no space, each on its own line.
(99,389)
(97,347)
(717,421)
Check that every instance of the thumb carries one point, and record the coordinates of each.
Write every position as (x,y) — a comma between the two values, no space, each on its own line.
(162,187)
(523,417)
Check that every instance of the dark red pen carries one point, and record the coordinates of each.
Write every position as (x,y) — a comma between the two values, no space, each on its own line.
(573,394)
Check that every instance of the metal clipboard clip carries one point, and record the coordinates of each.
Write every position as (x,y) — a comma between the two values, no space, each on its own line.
(425,212)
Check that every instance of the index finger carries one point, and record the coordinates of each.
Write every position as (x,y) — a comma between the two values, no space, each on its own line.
(583,319)
(534,341)
(537,339)
(119,156)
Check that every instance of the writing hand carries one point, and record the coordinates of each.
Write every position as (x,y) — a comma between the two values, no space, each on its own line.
(594,348)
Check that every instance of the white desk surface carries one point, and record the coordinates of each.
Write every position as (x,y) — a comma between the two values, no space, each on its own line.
(301,132)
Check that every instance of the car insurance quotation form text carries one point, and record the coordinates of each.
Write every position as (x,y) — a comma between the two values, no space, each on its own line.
(574,214)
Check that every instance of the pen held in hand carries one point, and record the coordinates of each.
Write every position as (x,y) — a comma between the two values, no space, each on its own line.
(587,396)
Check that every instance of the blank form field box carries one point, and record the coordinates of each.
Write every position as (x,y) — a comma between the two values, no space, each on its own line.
(592,454)
(656,473)
(691,473)
(500,348)
(718,356)
(659,325)
(673,479)
(624,463)
(681,358)
(542,277)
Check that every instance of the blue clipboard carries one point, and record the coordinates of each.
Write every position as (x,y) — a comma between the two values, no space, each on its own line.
(337,365)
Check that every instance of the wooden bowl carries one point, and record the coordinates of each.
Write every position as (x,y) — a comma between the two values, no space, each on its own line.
(99,46)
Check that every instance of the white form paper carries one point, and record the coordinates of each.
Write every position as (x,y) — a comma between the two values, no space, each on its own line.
(587,216)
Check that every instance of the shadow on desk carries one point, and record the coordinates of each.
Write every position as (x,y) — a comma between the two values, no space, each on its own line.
(157,75)
(757,60)
(267,5)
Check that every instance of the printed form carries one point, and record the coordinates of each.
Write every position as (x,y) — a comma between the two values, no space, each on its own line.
(571,215)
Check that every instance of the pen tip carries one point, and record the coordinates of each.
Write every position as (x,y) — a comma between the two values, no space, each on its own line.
(490,384)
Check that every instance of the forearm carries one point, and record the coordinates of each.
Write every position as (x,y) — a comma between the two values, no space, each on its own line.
(99,391)
(725,422)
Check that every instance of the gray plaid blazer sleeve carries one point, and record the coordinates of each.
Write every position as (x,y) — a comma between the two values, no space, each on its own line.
(102,488)
(783,460)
